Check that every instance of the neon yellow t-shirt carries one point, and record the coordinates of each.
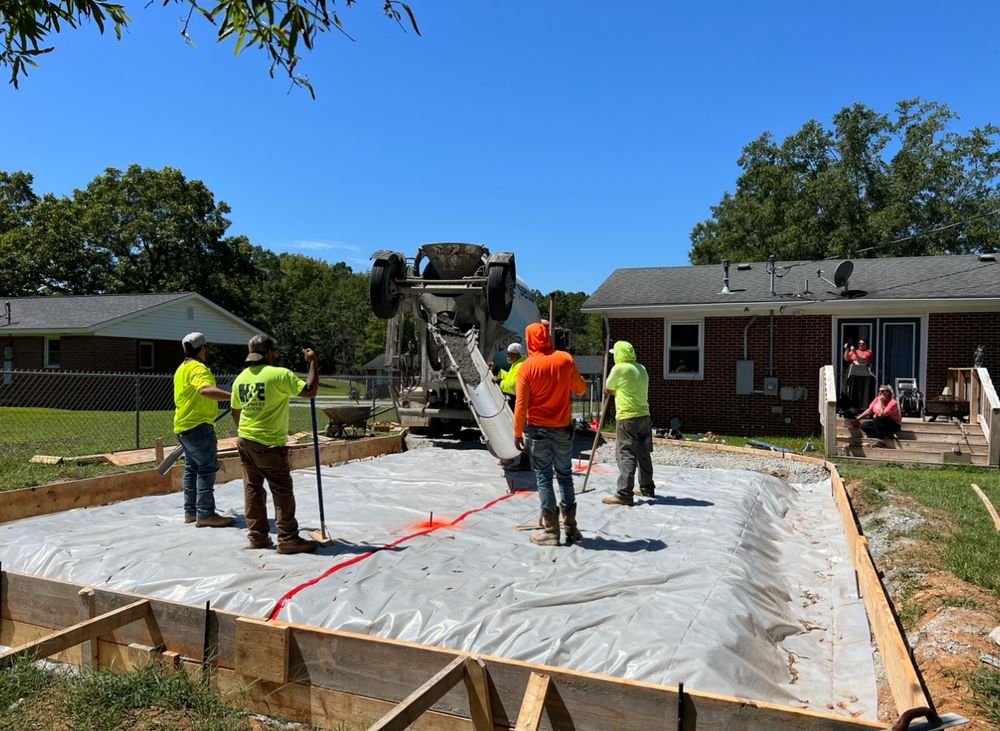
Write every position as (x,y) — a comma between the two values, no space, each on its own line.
(508,379)
(261,394)
(630,382)
(193,409)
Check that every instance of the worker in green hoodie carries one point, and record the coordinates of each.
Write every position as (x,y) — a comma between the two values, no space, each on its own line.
(628,382)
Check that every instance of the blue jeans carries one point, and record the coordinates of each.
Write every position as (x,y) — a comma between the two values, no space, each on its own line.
(552,450)
(201,462)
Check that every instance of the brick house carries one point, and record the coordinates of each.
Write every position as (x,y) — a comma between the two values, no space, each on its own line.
(745,359)
(137,333)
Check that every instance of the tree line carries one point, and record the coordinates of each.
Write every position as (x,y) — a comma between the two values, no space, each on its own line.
(143,230)
(899,184)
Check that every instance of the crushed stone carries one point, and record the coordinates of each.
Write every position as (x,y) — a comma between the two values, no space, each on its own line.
(680,456)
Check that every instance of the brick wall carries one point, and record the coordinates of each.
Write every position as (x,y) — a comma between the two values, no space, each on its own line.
(29,353)
(801,346)
(951,343)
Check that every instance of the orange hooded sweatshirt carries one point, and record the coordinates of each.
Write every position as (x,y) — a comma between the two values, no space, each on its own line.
(544,383)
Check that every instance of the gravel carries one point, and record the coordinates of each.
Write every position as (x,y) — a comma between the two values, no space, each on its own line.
(680,456)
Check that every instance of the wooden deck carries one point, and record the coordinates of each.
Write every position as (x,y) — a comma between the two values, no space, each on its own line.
(918,442)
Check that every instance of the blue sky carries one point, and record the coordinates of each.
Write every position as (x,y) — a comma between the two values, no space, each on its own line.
(581,135)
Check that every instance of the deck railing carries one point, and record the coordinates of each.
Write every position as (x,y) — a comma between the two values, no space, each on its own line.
(828,408)
(975,386)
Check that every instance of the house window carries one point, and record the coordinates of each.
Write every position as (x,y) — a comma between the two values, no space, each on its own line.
(685,352)
(52,352)
(145,355)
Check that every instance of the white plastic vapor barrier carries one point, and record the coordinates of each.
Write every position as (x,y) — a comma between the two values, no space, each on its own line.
(731,582)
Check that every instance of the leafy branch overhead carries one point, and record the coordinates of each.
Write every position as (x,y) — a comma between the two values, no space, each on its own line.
(277,27)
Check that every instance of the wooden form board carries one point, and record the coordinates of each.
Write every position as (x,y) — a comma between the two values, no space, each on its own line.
(336,676)
(59,496)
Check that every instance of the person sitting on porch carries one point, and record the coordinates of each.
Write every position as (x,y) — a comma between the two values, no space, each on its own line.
(860,355)
(882,419)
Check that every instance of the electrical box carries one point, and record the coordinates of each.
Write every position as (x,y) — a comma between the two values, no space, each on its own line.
(744,377)
(787,393)
(771,386)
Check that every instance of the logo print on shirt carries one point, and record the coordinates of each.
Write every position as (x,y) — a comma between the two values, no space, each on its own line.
(251,392)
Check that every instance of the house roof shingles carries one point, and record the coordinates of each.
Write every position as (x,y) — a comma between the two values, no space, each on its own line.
(76,312)
(902,278)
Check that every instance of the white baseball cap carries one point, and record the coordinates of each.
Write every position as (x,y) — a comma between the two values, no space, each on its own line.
(195,340)
(515,348)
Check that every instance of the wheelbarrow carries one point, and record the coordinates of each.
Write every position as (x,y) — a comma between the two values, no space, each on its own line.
(343,416)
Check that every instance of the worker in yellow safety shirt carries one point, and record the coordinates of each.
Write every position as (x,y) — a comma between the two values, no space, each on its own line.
(507,380)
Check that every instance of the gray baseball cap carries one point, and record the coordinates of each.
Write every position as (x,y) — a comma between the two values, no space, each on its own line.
(194,341)
(258,346)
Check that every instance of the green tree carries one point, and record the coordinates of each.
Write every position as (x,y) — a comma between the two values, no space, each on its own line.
(276,28)
(873,184)
(568,316)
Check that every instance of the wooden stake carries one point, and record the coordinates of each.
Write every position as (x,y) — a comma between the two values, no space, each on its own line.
(989,506)
(88,651)
(477,683)
(533,705)
(158,449)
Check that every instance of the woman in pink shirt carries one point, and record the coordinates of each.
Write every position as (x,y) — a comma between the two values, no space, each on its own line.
(882,418)
(860,355)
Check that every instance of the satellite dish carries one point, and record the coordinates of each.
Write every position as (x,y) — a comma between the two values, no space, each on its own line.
(843,274)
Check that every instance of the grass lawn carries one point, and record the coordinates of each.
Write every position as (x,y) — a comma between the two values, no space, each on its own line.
(940,562)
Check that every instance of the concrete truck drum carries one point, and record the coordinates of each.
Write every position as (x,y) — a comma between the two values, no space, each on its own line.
(449,311)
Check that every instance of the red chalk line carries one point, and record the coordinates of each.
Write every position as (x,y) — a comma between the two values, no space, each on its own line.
(283,602)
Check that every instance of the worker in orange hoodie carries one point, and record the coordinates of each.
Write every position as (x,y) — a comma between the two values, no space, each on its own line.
(543,412)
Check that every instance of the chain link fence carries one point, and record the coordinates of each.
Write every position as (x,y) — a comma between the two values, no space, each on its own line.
(64,414)
(68,414)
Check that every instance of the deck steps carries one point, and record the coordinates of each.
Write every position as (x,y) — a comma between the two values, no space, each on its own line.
(918,442)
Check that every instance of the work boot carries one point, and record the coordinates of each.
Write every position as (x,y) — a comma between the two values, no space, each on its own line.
(297,545)
(549,536)
(617,499)
(190,517)
(573,534)
(259,545)
(649,491)
(215,521)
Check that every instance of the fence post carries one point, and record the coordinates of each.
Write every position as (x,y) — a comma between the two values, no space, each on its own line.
(138,411)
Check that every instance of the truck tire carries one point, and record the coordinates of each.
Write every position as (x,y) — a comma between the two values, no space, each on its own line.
(500,285)
(382,287)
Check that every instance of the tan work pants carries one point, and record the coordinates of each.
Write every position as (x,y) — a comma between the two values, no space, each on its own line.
(271,463)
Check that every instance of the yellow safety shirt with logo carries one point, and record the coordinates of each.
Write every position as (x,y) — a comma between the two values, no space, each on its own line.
(630,382)
(261,394)
(508,379)
(193,409)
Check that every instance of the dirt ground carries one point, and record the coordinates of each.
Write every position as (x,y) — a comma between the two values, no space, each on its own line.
(947,620)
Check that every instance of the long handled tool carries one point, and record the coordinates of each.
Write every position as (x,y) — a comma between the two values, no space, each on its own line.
(320,536)
(177,451)
(593,449)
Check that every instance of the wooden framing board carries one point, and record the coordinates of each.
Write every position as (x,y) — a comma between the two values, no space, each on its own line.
(337,673)
(59,496)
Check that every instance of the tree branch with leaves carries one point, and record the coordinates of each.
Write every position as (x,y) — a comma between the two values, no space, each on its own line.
(279,28)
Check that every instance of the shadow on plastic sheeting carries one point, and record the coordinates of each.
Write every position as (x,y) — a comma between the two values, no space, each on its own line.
(343,548)
(612,544)
(680,502)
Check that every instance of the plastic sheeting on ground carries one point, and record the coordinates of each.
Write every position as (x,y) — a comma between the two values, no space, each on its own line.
(731,582)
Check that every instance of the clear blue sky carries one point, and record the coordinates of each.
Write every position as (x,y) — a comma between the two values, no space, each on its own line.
(581,135)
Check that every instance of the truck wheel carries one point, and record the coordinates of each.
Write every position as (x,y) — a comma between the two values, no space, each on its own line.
(500,285)
(382,291)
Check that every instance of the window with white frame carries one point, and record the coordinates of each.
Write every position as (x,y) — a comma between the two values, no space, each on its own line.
(145,355)
(52,352)
(685,349)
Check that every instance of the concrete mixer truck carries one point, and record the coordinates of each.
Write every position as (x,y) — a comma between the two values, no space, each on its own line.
(451,310)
